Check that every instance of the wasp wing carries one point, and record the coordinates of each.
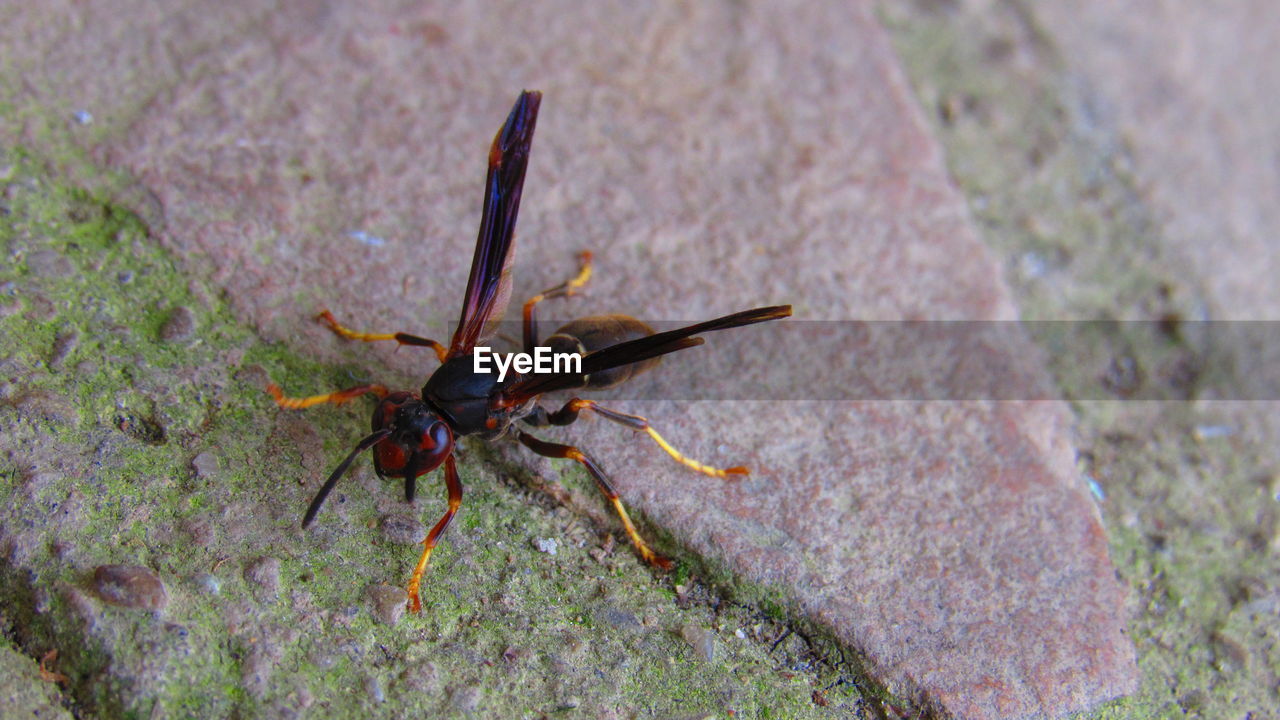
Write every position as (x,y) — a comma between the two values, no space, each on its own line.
(489,286)
(633,351)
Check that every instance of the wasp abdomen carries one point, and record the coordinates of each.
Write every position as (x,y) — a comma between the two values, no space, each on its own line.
(589,334)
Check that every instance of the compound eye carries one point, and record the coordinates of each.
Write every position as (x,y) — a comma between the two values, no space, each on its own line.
(434,445)
(435,438)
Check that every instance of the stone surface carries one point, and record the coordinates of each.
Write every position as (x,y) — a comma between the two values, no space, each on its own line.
(1170,80)
(77,490)
(23,693)
(715,157)
(387,603)
(130,586)
(402,529)
(264,575)
(1058,194)
(1189,88)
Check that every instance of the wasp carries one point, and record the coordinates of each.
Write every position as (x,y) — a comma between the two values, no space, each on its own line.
(415,433)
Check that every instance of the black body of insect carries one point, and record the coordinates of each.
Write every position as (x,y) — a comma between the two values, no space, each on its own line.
(415,433)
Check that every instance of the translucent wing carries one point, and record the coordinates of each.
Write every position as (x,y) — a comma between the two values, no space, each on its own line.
(634,351)
(489,287)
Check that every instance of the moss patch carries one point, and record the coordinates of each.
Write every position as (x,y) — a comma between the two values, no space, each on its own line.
(131,437)
(1189,499)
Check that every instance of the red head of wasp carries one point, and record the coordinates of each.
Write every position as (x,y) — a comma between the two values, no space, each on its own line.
(415,433)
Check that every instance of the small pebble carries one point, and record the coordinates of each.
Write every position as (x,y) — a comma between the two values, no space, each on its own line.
(366,238)
(179,326)
(130,586)
(620,619)
(1230,655)
(374,688)
(48,264)
(702,640)
(63,344)
(1213,432)
(207,583)
(264,573)
(388,603)
(420,678)
(1095,488)
(514,655)
(205,465)
(402,529)
(546,545)
(465,698)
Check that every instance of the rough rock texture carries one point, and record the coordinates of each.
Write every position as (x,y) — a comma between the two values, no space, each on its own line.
(1191,89)
(130,586)
(24,693)
(716,157)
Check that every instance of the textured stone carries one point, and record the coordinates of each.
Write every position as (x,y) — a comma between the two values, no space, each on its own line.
(130,586)
(178,326)
(1172,79)
(716,157)
(387,603)
(402,529)
(23,692)
(263,575)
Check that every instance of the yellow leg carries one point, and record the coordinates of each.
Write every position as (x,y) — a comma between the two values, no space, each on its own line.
(568,452)
(337,398)
(691,463)
(454,487)
(564,289)
(641,546)
(332,323)
(415,582)
(569,413)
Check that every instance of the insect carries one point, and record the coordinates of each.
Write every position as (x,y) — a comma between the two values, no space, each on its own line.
(415,433)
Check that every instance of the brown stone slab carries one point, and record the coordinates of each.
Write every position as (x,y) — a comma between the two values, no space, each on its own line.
(716,156)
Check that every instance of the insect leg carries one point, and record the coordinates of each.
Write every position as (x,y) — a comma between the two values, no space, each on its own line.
(327,318)
(337,398)
(564,289)
(569,413)
(454,486)
(555,450)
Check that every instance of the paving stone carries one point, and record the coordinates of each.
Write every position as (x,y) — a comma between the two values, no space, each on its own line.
(334,158)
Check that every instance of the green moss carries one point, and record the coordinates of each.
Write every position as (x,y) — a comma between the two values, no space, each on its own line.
(1054,193)
(103,419)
